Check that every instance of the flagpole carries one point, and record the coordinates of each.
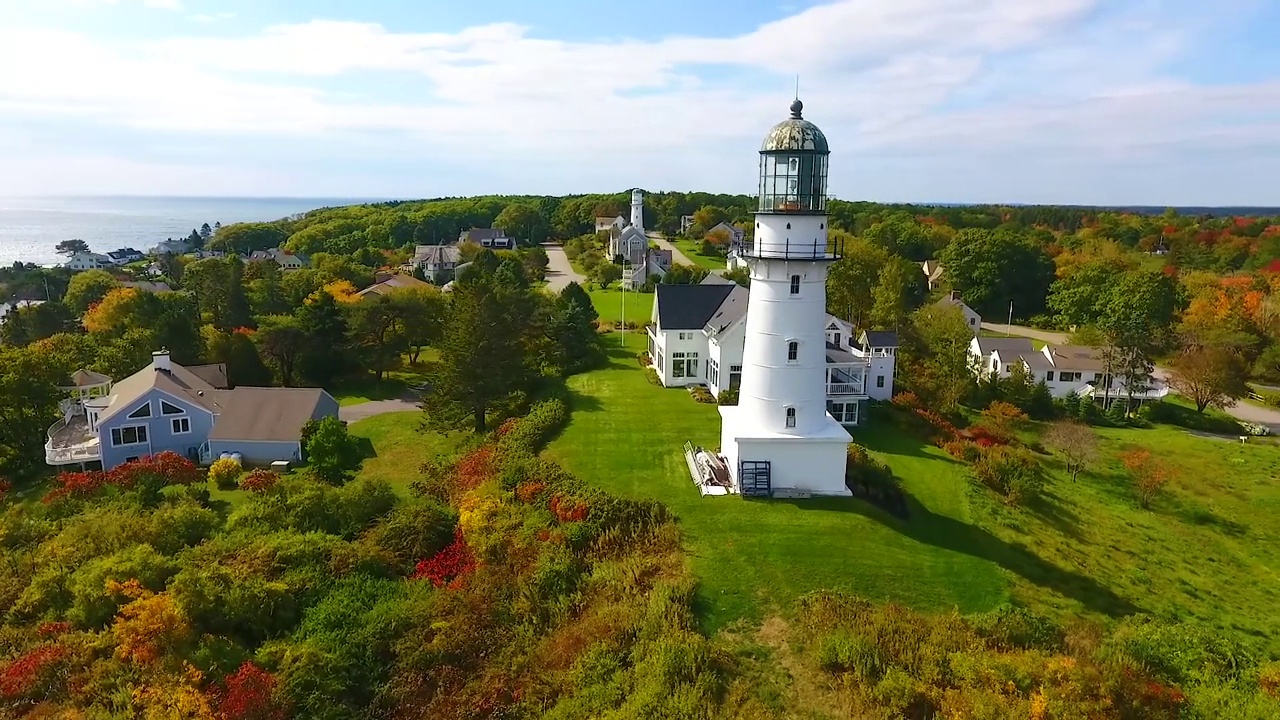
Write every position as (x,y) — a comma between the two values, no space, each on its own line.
(1010,325)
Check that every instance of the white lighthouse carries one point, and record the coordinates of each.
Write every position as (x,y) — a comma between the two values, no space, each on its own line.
(637,210)
(780,436)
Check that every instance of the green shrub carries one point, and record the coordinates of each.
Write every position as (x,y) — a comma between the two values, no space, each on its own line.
(182,525)
(1010,627)
(727,397)
(414,531)
(1011,472)
(851,653)
(863,471)
(652,376)
(529,433)
(1182,652)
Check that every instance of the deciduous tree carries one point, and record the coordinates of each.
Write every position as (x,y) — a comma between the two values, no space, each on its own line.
(1075,442)
(994,269)
(71,247)
(332,453)
(1210,376)
(87,288)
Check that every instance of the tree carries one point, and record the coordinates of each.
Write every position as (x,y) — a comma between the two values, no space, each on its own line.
(606,273)
(1075,442)
(206,232)
(994,269)
(28,406)
(1136,323)
(741,276)
(87,288)
(218,285)
(685,275)
(901,235)
(898,292)
(119,310)
(281,341)
(852,280)
(244,238)
(933,358)
(1149,474)
(570,323)
(332,453)
(1077,299)
(30,323)
(422,312)
(238,352)
(484,359)
(324,358)
(535,263)
(377,334)
(1210,376)
(523,221)
(72,247)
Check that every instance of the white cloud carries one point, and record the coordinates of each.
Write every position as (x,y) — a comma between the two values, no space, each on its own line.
(157,4)
(1059,77)
(211,17)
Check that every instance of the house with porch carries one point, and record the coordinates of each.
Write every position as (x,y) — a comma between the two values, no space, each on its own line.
(190,411)
(1064,369)
(387,283)
(932,273)
(287,260)
(434,259)
(88,261)
(697,335)
(492,238)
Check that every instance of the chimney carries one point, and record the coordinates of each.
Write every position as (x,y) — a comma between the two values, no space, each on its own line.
(955,295)
(160,360)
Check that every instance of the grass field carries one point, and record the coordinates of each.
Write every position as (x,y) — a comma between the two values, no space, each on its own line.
(639,306)
(690,249)
(394,384)
(1205,550)
(400,447)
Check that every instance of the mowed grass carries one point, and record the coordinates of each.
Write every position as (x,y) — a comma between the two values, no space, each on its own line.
(394,384)
(756,557)
(610,305)
(691,248)
(1206,549)
(400,447)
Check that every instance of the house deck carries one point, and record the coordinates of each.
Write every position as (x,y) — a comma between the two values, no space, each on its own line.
(71,441)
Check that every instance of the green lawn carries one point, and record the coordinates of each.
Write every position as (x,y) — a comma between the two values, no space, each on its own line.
(400,446)
(754,557)
(609,304)
(1205,550)
(690,249)
(394,384)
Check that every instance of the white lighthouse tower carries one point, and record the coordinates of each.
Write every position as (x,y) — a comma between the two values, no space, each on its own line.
(637,210)
(780,436)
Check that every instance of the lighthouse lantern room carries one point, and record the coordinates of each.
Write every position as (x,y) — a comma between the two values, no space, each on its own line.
(780,439)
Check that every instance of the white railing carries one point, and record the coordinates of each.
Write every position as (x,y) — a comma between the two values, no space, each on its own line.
(73,454)
(837,389)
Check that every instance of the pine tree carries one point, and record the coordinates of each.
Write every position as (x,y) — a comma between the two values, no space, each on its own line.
(324,358)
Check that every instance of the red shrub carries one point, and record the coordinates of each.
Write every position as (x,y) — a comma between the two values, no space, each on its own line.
(52,629)
(474,468)
(506,427)
(166,468)
(259,481)
(449,565)
(248,694)
(962,450)
(528,492)
(907,400)
(568,509)
(5,487)
(21,676)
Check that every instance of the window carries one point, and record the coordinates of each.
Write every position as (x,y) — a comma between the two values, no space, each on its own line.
(691,365)
(795,284)
(995,365)
(1097,377)
(735,376)
(845,413)
(793,351)
(167,409)
(972,321)
(713,372)
(142,412)
(879,381)
(181,426)
(132,435)
(1065,376)
(677,364)
(1048,377)
(793,165)
(837,339)
(791,417)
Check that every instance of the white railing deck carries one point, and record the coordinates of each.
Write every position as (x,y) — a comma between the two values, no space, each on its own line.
(70,441)
(840,389)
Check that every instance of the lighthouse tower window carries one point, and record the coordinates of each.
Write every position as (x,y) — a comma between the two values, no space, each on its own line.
(791,417)
(793,351)
(795,284)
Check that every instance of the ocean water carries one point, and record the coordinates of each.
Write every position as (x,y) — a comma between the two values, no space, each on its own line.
(30,227)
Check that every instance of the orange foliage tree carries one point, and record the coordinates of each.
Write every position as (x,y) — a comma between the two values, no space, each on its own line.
(1149,474)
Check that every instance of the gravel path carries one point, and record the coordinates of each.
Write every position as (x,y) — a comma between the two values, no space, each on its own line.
(676,255)
(355,413)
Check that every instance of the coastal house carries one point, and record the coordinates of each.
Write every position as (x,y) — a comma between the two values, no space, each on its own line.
(995,356)
(697,336)
(686,222)
(736,234)
(1064,369)
(433,259)
(932,272)
(124,256)
(190,411)
(286,259)
(171,247)
(492,238)
(149,286)
(609,224)
(88,261)
(971,316)
(14,306)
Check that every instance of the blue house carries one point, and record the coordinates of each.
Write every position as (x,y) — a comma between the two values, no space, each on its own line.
(189,411)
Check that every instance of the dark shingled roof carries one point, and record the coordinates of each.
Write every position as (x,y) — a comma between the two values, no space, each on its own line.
(267,414)
(689,307)
(1012,345)
(881,338)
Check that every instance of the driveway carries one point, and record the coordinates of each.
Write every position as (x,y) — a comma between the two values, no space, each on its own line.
(1243,411)
(676,255)
(355,413)
(559,272)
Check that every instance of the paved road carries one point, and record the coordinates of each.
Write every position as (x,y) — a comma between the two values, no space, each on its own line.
(676,255)
(354,413)
(559,272)
(1053,338)
(1242,411)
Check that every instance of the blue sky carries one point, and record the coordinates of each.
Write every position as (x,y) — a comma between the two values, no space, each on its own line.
(1055,101)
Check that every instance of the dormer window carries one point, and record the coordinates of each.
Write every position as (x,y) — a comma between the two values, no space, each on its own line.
(793,351)
(795,284)
(791,417)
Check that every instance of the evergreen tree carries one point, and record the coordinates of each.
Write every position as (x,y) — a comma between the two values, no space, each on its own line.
(28,406)
(1071,404)
(206,232)
(570,324)
(324,358)
(237,312)
(377,334)
(484,358)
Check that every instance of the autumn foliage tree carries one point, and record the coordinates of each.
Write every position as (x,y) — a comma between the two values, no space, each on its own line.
(1210,376)
(1075,442)
(1149,474)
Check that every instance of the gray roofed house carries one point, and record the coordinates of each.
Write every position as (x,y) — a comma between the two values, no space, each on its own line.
(288,261)
(434,258)
(732,309)
(1014,345)
(390,284)
(1077,357)
(166,407)
(688,307)
(495,238)
(879,339)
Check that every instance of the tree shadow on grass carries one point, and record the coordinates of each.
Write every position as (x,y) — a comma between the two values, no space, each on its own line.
(948,533)
(1054,511)
(1205,517)
(582,402)
(366,447)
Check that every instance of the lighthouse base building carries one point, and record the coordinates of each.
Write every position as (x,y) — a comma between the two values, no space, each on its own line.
(813,464)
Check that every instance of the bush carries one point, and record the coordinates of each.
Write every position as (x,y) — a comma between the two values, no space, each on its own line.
(701,394)
(644,359)
(260,480)
(415,531)
(224,473)
(332,454)
(727,397)
(537,428)
(1008,627)
(864,475)
(963,450)
(652,376)
(845,652)
(1012,473)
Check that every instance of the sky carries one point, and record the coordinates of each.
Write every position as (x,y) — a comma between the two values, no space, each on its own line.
(1153,102)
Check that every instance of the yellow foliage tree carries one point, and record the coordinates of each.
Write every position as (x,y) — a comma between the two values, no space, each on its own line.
(341,290)
(112,312)
(150,628)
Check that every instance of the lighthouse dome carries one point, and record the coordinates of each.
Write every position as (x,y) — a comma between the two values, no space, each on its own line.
(795,134)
